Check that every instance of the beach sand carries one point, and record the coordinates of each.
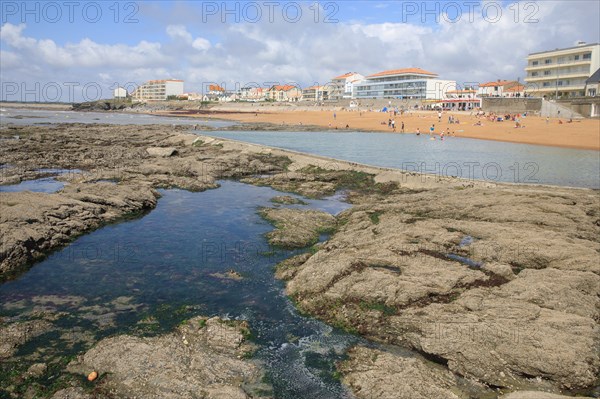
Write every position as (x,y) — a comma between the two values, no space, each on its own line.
(581,134)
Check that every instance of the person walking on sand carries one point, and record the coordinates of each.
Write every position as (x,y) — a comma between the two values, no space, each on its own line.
(402,127)
(334,116)
(431,130)
(439,116)
(393,125)
(418,132)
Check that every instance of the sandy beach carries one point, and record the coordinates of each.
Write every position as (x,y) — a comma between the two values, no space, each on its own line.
(580,134)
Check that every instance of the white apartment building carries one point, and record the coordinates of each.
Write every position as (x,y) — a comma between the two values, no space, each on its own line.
(408,83)
(316,93)
(119,93)
(158,90)
(341,86)
(562,72)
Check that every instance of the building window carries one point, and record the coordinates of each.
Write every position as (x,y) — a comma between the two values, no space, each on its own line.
(548,61)
(534,63)
(546,84)
(587,56)
(546,73)
(577,57)
(561,60)
(534,74)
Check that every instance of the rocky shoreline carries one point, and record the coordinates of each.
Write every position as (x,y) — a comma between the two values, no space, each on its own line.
(495,287)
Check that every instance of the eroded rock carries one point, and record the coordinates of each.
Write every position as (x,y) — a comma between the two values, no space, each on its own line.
(501,285)
(202,358)
(297,228)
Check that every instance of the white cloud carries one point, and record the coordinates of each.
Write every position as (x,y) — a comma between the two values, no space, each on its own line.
(201,44)
(179,32)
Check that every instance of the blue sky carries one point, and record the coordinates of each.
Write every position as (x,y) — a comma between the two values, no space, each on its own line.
(105,43)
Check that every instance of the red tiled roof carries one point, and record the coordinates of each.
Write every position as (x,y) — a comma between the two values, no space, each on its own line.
(403,71)
(497,83)
(516,88)
(344,76)
(283,87)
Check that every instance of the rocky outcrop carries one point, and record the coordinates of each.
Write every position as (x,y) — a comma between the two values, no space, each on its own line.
(501,286)
(373,373)
(203,358)
(297,228)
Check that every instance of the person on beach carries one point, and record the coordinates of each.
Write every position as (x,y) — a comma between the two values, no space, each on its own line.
(418,132)
(402,127)
(334,116)
(439,116)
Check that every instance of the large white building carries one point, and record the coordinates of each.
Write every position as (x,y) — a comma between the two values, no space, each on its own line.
(562,72)
(408,83)
(158,90)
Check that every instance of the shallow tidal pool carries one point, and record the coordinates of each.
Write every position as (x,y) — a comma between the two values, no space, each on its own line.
(145,276)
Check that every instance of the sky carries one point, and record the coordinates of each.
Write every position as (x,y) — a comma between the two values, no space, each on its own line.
(80,50)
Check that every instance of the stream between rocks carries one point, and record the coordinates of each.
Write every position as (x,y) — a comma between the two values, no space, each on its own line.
(146,275)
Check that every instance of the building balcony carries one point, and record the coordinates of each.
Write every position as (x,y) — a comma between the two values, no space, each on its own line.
(581,75)
(557,65)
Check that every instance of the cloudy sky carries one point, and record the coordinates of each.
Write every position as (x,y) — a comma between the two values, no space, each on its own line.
(79,50)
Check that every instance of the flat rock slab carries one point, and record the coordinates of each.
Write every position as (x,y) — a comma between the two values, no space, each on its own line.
(163,152)
(201,358)
(297,228)
(372,373)
(501,284)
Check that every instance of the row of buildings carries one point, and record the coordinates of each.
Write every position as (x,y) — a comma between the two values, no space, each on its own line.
(569,72)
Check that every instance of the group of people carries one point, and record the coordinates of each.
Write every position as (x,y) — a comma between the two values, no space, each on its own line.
(392,125)
(432,132)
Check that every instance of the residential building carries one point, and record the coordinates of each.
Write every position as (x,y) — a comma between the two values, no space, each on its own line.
(158,90)
(341,86)
(408,83)
(215,89)
(286,93)
(562,72)
(316,93)
(515,91)
(461,100)
(592,85)
(253,93)
(120,93)
(498,88)
(190,96)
